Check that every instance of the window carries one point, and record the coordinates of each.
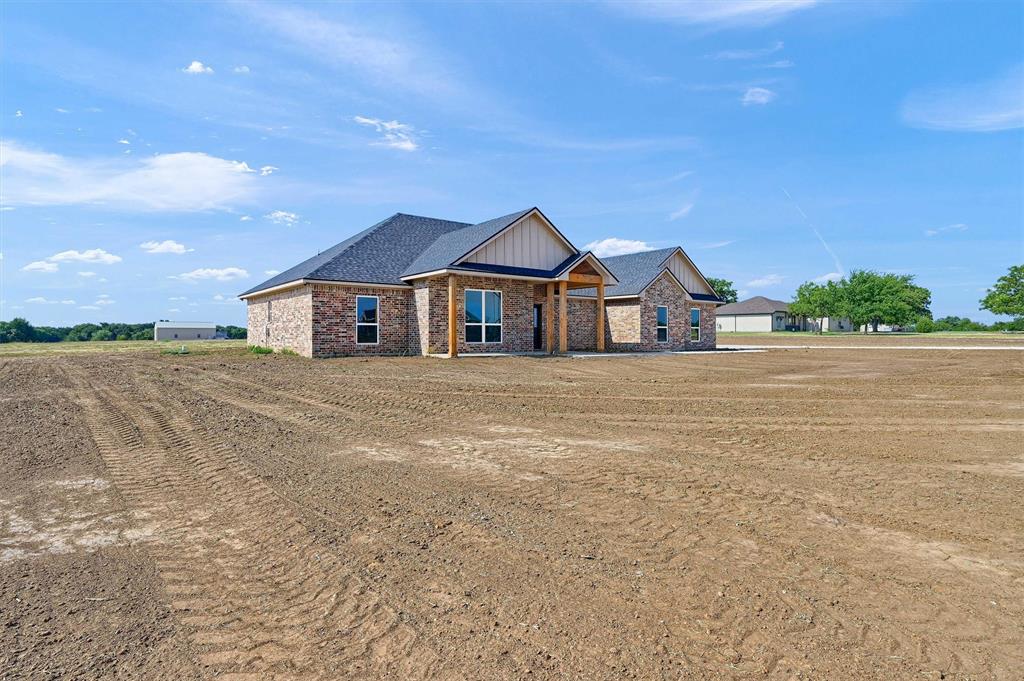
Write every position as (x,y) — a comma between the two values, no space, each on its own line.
(367,324)
(483,316)
(695,324)
(662,324)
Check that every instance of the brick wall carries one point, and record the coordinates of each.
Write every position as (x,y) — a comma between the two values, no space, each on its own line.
(334,321)
(708,327)
(282,320)
(516,314)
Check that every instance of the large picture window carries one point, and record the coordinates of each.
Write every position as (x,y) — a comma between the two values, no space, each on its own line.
(367,321)
(695,324)
(662,325)
(483,316)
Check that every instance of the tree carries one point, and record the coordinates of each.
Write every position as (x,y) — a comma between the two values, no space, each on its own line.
(724,288)
(817,301)
(102,335)
(1007,296)
(18,330)
(872,298)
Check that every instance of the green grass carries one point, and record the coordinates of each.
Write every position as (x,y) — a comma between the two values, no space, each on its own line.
(260,350)
(155,347)
(858,334)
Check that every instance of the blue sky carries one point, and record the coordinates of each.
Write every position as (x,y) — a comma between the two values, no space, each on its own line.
(160,158)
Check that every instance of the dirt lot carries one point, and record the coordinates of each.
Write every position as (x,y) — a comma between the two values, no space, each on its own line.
(876,340)
(789,514)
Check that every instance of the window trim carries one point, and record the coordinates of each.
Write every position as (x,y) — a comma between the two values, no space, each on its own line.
(376,323)
(658,327)
(692,327)
(483,317)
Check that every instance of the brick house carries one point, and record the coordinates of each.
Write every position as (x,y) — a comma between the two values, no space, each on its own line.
(420,286)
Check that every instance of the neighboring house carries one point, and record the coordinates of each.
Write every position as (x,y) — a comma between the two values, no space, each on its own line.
(760,314)
(184,331)
(416,285)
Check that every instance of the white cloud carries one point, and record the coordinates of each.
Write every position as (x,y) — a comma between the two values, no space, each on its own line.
(271,273)
(222,274)
(218,297)
(757,95)
(394,135)
(987,106)
(87,274)
(173,309)
(177,298)
(615,246)
(747,54)
(104,301)
(185,181)
(197,67)
(40,266)
(168,246)
(268,170)
(18,114)
(123,141)
(766,281)
(245,218)
(831,276)
(721,13)
(241,69)
(60,110)
(44,301)
(958,227)
(88,307)
(282,217)
(682,212)
(93,255)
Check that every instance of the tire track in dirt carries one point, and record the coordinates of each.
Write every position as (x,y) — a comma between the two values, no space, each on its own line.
(638,524)
(262,598)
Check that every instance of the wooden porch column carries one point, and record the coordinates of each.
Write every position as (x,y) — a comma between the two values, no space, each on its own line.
(563,316)
(600,316)
(453,327)
(549,321)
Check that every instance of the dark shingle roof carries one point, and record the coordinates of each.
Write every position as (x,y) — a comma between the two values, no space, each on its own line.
(755,305)
(377,255)
(452,246)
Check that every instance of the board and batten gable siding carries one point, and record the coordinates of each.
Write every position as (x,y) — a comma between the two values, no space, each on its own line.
(528,243)
(687,275)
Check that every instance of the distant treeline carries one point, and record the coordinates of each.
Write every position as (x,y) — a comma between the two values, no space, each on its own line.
(18,330)
(926,325)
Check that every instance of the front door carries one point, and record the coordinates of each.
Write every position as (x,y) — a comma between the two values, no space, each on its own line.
(538,308)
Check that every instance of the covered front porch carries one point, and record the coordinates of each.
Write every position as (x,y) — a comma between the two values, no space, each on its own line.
(556,321)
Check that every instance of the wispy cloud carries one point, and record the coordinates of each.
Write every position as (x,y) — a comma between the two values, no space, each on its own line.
(604,248)
(197,67)
(987,106)
(178,182)
(766,281)
(394,135)
(719,14)
(282,217)
(958,227)
(831,276)
(268,170)
(716,244)
(777,64)
(682,211)
(40,300)
(271,273)
(757,96)
(375,56)
(241,69)
(168,246)
(87,275)
(218,274)
(747,54)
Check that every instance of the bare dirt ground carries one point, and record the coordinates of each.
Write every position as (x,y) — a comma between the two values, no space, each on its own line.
(835,514)
(876,339)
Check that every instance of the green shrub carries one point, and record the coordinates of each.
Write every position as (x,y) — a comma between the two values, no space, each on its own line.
(260,350)
(925,325)
(288,351)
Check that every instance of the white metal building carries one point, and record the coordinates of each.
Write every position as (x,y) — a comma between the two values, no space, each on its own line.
(184,331)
